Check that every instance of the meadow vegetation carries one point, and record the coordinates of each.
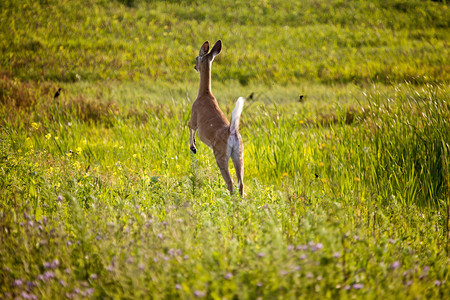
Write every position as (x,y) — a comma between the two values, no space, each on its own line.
(348,191)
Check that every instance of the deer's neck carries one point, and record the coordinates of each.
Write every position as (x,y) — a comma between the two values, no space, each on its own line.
(205,82)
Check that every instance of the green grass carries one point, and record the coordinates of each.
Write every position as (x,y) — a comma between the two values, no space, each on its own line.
(347,191)
(331,41)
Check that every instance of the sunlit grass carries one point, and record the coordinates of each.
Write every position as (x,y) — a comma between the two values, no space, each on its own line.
(118,206)
(347,187)
(324,41)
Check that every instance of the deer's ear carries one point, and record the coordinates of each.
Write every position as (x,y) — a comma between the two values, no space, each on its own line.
(204,49)
(217,48)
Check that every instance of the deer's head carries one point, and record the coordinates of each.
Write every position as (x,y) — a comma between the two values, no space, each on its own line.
(204,59)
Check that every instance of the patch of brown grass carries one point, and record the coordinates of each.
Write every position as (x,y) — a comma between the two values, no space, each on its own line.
(26,102)
(90,110)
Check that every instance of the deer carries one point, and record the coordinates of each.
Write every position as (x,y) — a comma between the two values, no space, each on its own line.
(213,128)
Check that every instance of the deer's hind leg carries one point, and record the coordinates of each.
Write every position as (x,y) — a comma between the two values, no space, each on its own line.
(222,163)
(237,156)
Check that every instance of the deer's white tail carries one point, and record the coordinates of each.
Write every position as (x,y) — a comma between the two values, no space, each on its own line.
(236,115)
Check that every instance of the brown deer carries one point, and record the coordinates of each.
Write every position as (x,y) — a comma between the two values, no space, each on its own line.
(213,127)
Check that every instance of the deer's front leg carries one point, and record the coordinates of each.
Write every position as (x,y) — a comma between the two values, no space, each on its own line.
(192,140)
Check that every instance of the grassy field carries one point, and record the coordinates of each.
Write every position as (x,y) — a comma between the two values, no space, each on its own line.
(347,192)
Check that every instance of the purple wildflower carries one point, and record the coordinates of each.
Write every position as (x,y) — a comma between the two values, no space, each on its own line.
(160,235)
(309,275)
(199,294)
(290,247)
(261,254)
(178,286)
(437,283)
(228,276)
(18,282)
(259,284)
(316,247)
(94,276)
(25,295)
(59,199)
(67,271)
(62,282)
(90,291)
(394,265)
(406,273)
(337,254)
(54,264)
(48,275)
(357,286)
(302,257)
(301,248)
(173,252)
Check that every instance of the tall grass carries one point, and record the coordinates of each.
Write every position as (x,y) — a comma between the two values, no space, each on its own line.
(121,209)
(411,138)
